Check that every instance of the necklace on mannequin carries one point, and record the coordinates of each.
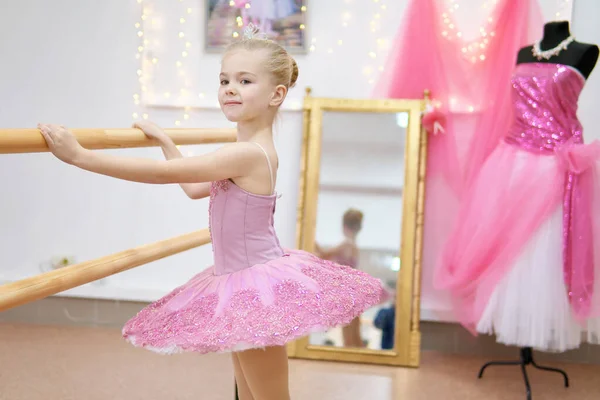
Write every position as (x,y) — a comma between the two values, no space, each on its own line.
(547,54)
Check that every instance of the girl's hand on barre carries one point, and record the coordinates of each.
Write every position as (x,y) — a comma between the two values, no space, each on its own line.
(152,131)
(61,142)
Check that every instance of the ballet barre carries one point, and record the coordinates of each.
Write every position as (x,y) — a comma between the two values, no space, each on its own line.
(14,141)
(43,285)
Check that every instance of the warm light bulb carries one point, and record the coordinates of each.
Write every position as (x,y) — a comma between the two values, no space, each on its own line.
(235,34)
(188,45)
(140,33)
(182,20)
(340,42)
(189,10)
(181,34)
(145,116)
(184,53)
(301,26)
(177,123)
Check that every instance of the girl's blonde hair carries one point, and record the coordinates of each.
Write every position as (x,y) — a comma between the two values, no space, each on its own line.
(279,63)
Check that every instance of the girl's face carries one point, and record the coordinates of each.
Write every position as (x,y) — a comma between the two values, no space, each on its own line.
(246,88)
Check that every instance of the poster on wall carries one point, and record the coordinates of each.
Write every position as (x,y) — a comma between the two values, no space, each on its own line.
(281,20)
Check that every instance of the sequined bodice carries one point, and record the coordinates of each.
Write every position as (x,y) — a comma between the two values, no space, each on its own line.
(545,99)
(241,228)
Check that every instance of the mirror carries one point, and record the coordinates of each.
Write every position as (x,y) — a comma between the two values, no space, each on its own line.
(359,212)
(361,204)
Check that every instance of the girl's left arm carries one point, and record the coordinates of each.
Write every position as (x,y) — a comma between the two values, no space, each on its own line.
(230,161)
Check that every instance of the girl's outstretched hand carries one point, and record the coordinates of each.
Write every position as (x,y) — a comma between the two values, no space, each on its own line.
(61,141)
(151,130)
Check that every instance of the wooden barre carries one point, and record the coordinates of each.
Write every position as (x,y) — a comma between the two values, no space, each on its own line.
(31,140)
(43,285)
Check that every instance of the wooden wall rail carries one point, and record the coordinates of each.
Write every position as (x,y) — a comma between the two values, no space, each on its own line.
(49,283)
(31,140)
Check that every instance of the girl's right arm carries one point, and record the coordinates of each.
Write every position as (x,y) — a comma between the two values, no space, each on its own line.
(193,190)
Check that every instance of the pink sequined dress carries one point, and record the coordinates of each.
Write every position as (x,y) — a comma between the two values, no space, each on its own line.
(521,261)
(257,294)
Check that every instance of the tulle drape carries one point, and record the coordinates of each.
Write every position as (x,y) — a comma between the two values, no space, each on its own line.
(469,81)
(470,88)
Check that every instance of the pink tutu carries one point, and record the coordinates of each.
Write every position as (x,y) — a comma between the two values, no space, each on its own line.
(264,305)
(257,294)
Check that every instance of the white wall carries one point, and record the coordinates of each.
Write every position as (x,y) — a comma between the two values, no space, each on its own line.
(76,66)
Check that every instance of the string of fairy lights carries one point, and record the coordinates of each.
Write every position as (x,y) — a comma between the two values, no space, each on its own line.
(564,9)
(474,50)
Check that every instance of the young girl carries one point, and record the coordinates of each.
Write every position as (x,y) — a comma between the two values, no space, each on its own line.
(257,296)
(347,253)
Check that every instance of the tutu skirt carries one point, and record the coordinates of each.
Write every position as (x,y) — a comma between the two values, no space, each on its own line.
(504,260)
(264,305)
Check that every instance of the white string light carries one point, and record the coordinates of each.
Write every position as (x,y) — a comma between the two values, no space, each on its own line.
(181,63)
(564,9)
(473,50)
(381,44)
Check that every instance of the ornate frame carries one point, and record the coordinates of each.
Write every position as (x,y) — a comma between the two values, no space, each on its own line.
(407,335)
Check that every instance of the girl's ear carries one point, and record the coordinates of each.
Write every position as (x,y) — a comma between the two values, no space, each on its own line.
(278,96)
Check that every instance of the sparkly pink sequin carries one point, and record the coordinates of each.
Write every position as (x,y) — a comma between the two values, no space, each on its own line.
(257,294)
(545,105)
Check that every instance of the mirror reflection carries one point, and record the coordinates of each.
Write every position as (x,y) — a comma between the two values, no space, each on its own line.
(359,213)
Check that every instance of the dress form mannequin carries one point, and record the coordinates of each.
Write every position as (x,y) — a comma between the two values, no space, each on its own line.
(581,56)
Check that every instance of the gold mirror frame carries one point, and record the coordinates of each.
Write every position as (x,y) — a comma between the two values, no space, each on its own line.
(407,335)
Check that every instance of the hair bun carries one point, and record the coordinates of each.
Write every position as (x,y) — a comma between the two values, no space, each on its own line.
(294,75)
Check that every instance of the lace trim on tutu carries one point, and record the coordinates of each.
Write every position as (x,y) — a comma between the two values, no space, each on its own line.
(246,321)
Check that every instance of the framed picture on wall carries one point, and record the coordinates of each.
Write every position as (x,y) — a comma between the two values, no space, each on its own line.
(281,20)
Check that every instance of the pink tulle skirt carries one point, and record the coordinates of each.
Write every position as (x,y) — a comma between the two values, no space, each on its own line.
(265,305)
(503,263)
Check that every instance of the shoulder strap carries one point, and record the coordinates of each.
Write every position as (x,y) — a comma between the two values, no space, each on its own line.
(269,163)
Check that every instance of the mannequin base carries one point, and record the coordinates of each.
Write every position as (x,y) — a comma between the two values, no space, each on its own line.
(526,359)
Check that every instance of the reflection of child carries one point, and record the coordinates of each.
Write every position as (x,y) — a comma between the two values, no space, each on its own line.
(385,320)
(346,253)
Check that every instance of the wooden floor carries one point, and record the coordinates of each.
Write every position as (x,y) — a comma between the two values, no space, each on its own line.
(74,363)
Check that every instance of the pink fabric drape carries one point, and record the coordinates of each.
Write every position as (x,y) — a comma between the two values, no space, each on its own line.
(470,86)
(472,102)
(581,215)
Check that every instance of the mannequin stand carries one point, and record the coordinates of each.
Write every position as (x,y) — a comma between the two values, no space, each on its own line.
(526,359)
(237,397)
